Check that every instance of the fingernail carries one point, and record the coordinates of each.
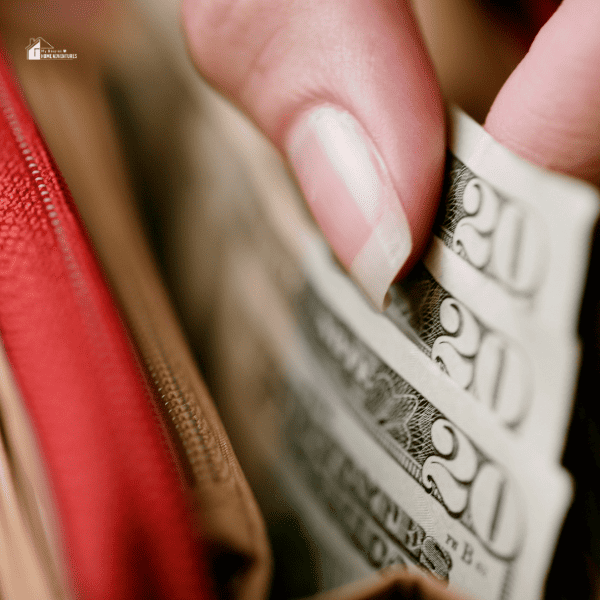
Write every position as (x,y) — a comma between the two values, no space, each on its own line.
(351,196)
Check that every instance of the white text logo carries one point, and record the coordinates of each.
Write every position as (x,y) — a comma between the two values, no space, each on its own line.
(40,49)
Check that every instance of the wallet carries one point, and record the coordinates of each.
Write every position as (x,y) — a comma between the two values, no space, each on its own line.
(118,478)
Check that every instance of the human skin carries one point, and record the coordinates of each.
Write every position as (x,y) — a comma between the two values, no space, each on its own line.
(347,92)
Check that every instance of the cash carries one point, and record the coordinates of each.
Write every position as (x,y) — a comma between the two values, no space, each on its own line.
(430,436)
(495,301)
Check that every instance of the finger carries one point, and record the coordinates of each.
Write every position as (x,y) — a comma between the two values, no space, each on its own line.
(347,92)
(549,109)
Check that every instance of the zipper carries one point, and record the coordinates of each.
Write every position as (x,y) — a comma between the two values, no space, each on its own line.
(114,483)
(205,452)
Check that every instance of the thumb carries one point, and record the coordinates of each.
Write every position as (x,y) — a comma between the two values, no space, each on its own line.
(346,91)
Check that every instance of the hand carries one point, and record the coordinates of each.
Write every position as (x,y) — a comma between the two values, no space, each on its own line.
(548,111)
(346,90)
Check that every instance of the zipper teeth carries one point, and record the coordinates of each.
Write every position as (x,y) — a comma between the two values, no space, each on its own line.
(86,301)
(71,263)
(84,298)
(202,446)
(144,476)
(44,547)
(203,451)
(196,437)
